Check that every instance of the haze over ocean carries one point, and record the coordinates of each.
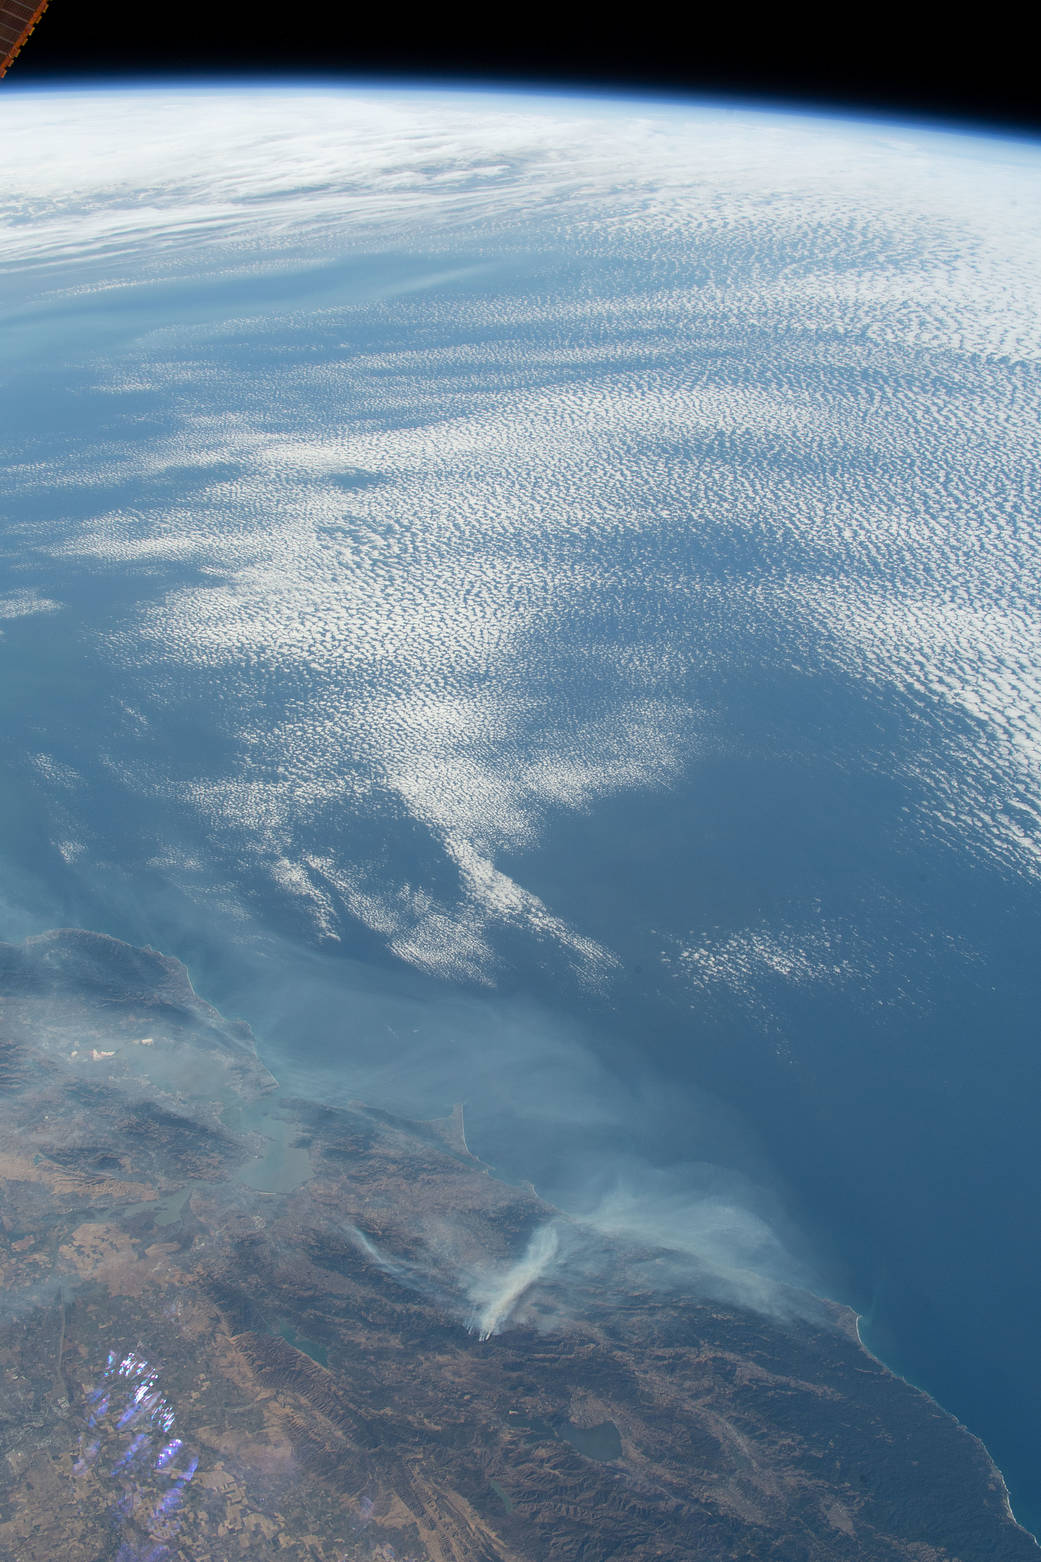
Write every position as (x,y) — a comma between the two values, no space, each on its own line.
(535,600)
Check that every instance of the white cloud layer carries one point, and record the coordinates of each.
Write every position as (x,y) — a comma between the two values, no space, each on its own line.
(487,423)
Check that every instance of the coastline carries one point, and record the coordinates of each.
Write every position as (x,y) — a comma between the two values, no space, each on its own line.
(988,1456)
(256,1231)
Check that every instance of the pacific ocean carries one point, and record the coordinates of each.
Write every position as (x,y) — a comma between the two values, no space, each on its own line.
(569,652)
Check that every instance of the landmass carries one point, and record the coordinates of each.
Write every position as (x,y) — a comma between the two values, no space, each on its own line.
(239,1325)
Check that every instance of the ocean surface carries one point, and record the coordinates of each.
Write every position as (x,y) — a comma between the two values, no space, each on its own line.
(536,602)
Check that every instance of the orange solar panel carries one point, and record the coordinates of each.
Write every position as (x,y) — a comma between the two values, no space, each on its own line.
(17,20)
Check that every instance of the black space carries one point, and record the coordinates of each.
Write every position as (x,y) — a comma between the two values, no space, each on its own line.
(854,60)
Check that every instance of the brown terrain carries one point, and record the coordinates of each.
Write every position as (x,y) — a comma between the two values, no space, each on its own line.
(287,1291)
